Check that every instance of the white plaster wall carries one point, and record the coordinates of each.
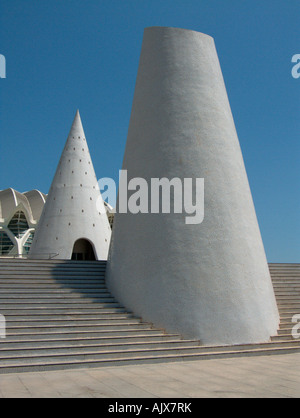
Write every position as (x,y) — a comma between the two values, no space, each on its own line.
(74,208)
(208,281)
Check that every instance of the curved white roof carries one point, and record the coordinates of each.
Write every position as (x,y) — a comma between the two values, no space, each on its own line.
(36,200)
(32,202)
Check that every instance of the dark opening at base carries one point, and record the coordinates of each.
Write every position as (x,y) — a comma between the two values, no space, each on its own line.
(83,250)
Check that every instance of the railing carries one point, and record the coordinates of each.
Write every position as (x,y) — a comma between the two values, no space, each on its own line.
(46,256)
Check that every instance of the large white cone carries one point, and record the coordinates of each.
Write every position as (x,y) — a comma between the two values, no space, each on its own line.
(74,209)
(211,280)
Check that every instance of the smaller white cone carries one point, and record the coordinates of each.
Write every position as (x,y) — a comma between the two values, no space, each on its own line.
(74,209)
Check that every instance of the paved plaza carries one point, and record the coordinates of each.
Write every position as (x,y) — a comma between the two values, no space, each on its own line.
(262,376)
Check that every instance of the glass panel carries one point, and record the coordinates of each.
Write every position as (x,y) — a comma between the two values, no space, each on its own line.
(18,224)
(6,244)
(28,243)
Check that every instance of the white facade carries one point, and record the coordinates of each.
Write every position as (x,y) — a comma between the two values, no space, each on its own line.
(208,281)
(19,216)
(74,217)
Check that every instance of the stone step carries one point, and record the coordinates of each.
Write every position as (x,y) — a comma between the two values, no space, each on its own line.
(49,265)
(287,316)
(46,282)
(119,319)
(62,299)
(284,337)
(54,263)
(284,265)
(71,323)
(277,277)
(96,355)
(69,340)
(137,357)
(53,274)
(54,294)
(71,304)
(22,353)
(292,304)
(60,316)
(287,322)
(63,310)
(83,333)
(286,330)
(287,311)
(286,285)
(43,317)
(53,287)
(12,260)
(45,268)
(287,294)
(294,267)
(128,341)
(44,329)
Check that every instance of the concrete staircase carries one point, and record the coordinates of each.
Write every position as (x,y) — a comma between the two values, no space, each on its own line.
(286,283)
(59,315)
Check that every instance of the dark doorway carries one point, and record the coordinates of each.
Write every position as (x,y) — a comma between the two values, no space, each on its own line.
(83,250)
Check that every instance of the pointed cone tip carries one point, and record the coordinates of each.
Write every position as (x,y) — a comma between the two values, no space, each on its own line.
(76,127)
(77,115)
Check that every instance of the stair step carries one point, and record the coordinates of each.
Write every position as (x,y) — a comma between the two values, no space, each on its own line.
(288,337)
(56,305)
(58,300)
(126,341)
(71,341)
(11,324)
(46,282)
(43,275)
(139,358)
(79,316)
(292,304)
(34,352)
(53,287)
(60,315)
(55,294)
(27,329)
(287,292)
(128,331)
(63,310)
(50,268)
(82,357)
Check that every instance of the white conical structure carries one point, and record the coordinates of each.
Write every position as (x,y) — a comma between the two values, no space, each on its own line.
(74,209)
(210,280)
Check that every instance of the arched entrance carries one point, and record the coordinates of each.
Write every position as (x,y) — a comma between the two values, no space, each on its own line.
(83,250)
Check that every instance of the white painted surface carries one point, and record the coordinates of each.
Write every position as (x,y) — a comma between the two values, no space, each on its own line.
(209,281)
(74,208)
(31,204)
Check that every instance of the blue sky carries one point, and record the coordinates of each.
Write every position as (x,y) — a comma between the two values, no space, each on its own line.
(67,54)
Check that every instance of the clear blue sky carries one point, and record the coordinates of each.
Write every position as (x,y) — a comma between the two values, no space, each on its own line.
(67,54)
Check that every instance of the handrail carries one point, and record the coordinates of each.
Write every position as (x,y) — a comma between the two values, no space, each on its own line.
(50,256)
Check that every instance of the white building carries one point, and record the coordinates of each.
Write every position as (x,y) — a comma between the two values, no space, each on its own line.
(19,216)
(208,281)
(73,223)
(75,211)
